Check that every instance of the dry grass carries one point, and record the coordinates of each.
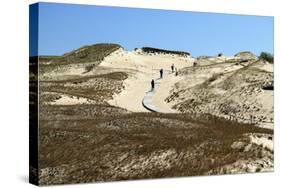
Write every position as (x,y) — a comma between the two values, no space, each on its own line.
(93,53)
(79,146)
(98,88)
(90,143)
(233,93)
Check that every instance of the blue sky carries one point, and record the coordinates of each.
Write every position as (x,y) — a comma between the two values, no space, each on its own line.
(64,27)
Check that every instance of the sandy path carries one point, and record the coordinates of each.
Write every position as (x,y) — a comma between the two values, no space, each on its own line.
(138,91)
(155,100)
(167,84)
(141,68)
(130,98)
(147,99)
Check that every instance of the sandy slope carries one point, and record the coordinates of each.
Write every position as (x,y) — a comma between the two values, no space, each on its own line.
(142,68)
(190,91)
(130,98)
(175,94)
(167,83)
(72,95)
(228,90)
(170,82)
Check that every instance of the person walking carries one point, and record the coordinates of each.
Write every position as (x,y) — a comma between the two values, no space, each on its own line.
(172,67)
(152,84)
(161,73)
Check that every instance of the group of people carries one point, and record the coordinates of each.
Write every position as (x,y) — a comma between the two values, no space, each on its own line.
(161,75)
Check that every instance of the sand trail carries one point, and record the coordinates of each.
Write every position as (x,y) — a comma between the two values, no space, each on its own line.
(154,100)
(142,68)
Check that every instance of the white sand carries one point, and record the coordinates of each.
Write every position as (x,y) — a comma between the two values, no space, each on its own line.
(167,84)
(142,68)
(130,98)
(70,100)
(170,81)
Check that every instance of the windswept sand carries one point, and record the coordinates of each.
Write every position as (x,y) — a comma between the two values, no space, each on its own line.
(130,98)
(167,83)
(75,116)
(173,90)
(70,100)
(142,68)
(170,81)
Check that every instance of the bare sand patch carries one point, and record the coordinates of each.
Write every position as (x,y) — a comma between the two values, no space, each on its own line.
(70,100)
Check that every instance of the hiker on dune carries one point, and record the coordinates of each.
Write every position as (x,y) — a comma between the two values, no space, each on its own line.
(152,85)
(176,71)
(161,73)
(172,67)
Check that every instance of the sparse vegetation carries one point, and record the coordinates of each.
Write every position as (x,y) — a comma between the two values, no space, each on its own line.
(89,68)
(98,88)
(115,146)
(209,97)
(93,53)
(214,77)
(93,141)
(247,55)
(157,50)
(266,57)
(43,59)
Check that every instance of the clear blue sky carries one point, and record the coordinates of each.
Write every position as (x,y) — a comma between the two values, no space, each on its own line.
(64,27)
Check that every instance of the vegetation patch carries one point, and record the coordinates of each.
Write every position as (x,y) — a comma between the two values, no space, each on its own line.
(114,146)
(266,57)
(157,50)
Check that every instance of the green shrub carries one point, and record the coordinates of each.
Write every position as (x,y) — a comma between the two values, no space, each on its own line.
(89,68)
(267,57)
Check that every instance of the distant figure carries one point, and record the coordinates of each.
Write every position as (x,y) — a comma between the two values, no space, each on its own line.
(161,73)
(152,85)
(172,67)
(194,64)
(176,71)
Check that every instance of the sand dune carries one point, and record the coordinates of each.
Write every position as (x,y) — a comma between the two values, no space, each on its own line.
(85,108)
(215,84)
(142,68)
